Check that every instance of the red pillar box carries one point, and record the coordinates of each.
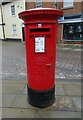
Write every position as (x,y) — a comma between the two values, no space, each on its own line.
(40,38)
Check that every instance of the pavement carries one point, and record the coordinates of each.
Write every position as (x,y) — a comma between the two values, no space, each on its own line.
(68,83)
(15,104)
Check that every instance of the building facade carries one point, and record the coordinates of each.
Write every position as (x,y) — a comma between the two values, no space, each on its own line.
(41,4)
(72,22)
(70,26)
(12,24)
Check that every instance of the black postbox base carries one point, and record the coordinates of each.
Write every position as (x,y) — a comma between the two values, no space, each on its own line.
(41,99)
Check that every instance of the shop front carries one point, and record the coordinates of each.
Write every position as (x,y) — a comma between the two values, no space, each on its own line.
(72,29)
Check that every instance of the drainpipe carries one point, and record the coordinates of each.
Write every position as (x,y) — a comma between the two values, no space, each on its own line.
(82,10)
(2,22)
(82,19)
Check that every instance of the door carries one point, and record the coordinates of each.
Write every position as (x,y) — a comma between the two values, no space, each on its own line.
(23,35)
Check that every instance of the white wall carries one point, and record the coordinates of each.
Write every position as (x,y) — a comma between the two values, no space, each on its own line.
(10,20)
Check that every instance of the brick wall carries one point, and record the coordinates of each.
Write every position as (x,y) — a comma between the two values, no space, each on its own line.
(76,9)
(72,10)
(48,5)
(30,5)
(59,33)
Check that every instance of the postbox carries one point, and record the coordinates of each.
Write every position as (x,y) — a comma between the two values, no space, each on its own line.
(40,41)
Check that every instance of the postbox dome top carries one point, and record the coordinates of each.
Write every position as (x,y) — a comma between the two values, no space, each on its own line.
(39,13)
(41,9)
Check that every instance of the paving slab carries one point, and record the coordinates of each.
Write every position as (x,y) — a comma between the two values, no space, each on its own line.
(0,80)
(14,81)
(62,103)
(77,102)
(17,113)
(21,101)
(56,114)
(8,99)
(12,88)
(72,90)
(25,90)
(59,89)
(0,88)
(63,82)
(0,113)
(0,100)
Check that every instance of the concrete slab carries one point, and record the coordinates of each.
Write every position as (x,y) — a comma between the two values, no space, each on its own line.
(56,114)
(25,90)
(77,102)
(62,103)
(21,101)
(60,82)
(73,90)
(14,81)
(0,88)
(0,100)
(12,88)
(17,113)
(0,113)
(59,90)
(8,99)
(0,80)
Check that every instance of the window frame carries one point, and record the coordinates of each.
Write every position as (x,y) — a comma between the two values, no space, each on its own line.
(14,29)
(66,6)
(13,10)
(56,4)
(38,4)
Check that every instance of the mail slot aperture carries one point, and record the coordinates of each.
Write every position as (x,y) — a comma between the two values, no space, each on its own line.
(34,30)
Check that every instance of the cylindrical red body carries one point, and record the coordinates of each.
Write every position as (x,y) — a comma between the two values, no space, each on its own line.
(40,37)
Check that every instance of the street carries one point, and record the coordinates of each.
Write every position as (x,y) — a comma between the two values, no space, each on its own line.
(68,62)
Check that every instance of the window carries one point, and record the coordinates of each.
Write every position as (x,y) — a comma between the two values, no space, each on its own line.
(68,3)
(14,30)
(73,31)
(56,4)
(38,3)
(13,10)
(73,16)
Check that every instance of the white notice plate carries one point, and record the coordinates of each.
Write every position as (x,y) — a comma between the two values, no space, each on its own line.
(39,44)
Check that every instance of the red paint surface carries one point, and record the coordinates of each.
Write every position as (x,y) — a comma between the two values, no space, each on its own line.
(40,66)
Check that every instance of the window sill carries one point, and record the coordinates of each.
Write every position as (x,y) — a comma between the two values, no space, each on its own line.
(64,8)
(13,15)
(14,35)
